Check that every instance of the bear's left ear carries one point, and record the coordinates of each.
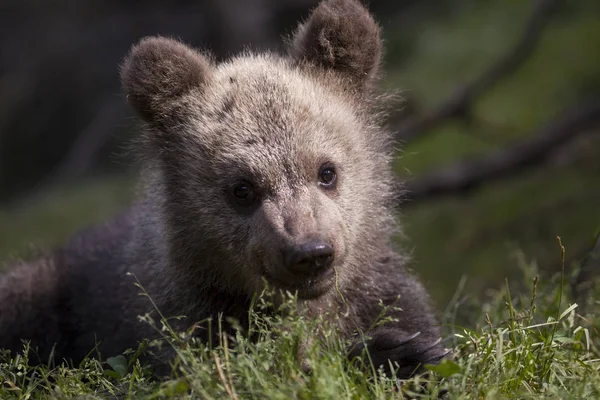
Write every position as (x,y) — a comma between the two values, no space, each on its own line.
(158,72)
(341,35)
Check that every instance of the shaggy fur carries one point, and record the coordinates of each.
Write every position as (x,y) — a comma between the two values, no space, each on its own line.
(273,122)
(340,35)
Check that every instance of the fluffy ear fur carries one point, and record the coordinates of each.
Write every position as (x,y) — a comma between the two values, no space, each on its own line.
(157,72)
(341,35)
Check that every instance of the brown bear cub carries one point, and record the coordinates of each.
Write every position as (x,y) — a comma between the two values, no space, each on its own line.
(265,168)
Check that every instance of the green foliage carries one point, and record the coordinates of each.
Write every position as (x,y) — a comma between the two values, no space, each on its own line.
(521,346)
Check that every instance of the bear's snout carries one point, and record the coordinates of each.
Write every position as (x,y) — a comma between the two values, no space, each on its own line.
(310,258)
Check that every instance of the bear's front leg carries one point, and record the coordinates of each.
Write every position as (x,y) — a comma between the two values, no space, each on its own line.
(390,347)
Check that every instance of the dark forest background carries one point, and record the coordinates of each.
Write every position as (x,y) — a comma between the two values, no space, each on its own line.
(498,131)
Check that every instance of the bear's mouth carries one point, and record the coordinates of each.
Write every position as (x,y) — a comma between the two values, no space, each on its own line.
(307,286)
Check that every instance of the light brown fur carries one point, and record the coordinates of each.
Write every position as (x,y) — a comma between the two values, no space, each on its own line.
(273,121)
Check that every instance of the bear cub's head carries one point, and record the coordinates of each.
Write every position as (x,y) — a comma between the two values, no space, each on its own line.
(270,167)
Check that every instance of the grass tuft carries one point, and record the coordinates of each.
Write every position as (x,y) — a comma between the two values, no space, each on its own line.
(521,346)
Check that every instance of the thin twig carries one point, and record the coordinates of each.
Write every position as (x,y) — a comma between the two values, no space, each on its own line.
(228,389)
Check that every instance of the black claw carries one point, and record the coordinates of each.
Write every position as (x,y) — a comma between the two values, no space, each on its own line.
(434,344)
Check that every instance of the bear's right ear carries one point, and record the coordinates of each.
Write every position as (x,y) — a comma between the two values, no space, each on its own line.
(342,36)
(157,72)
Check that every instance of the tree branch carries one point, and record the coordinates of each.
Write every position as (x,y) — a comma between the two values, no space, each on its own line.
(467,175)
(463,95)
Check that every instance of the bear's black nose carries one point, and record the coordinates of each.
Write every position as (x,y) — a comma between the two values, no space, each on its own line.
(309,258)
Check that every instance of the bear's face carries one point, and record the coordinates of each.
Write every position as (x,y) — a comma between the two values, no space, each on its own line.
(269,162)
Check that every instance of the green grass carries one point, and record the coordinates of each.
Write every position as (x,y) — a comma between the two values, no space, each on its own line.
(537,345)
(52,217)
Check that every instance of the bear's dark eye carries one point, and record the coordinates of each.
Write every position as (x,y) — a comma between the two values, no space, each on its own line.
(327,176)
(243,193)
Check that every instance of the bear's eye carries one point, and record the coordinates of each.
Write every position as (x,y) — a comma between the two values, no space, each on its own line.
(327,176)
(243,193)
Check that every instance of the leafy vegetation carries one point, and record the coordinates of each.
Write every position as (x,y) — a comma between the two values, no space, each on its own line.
(530,346)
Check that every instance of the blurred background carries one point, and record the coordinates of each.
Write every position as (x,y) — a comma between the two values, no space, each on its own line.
(498,131)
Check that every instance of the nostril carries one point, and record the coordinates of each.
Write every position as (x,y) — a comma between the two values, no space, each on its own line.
(309,257)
